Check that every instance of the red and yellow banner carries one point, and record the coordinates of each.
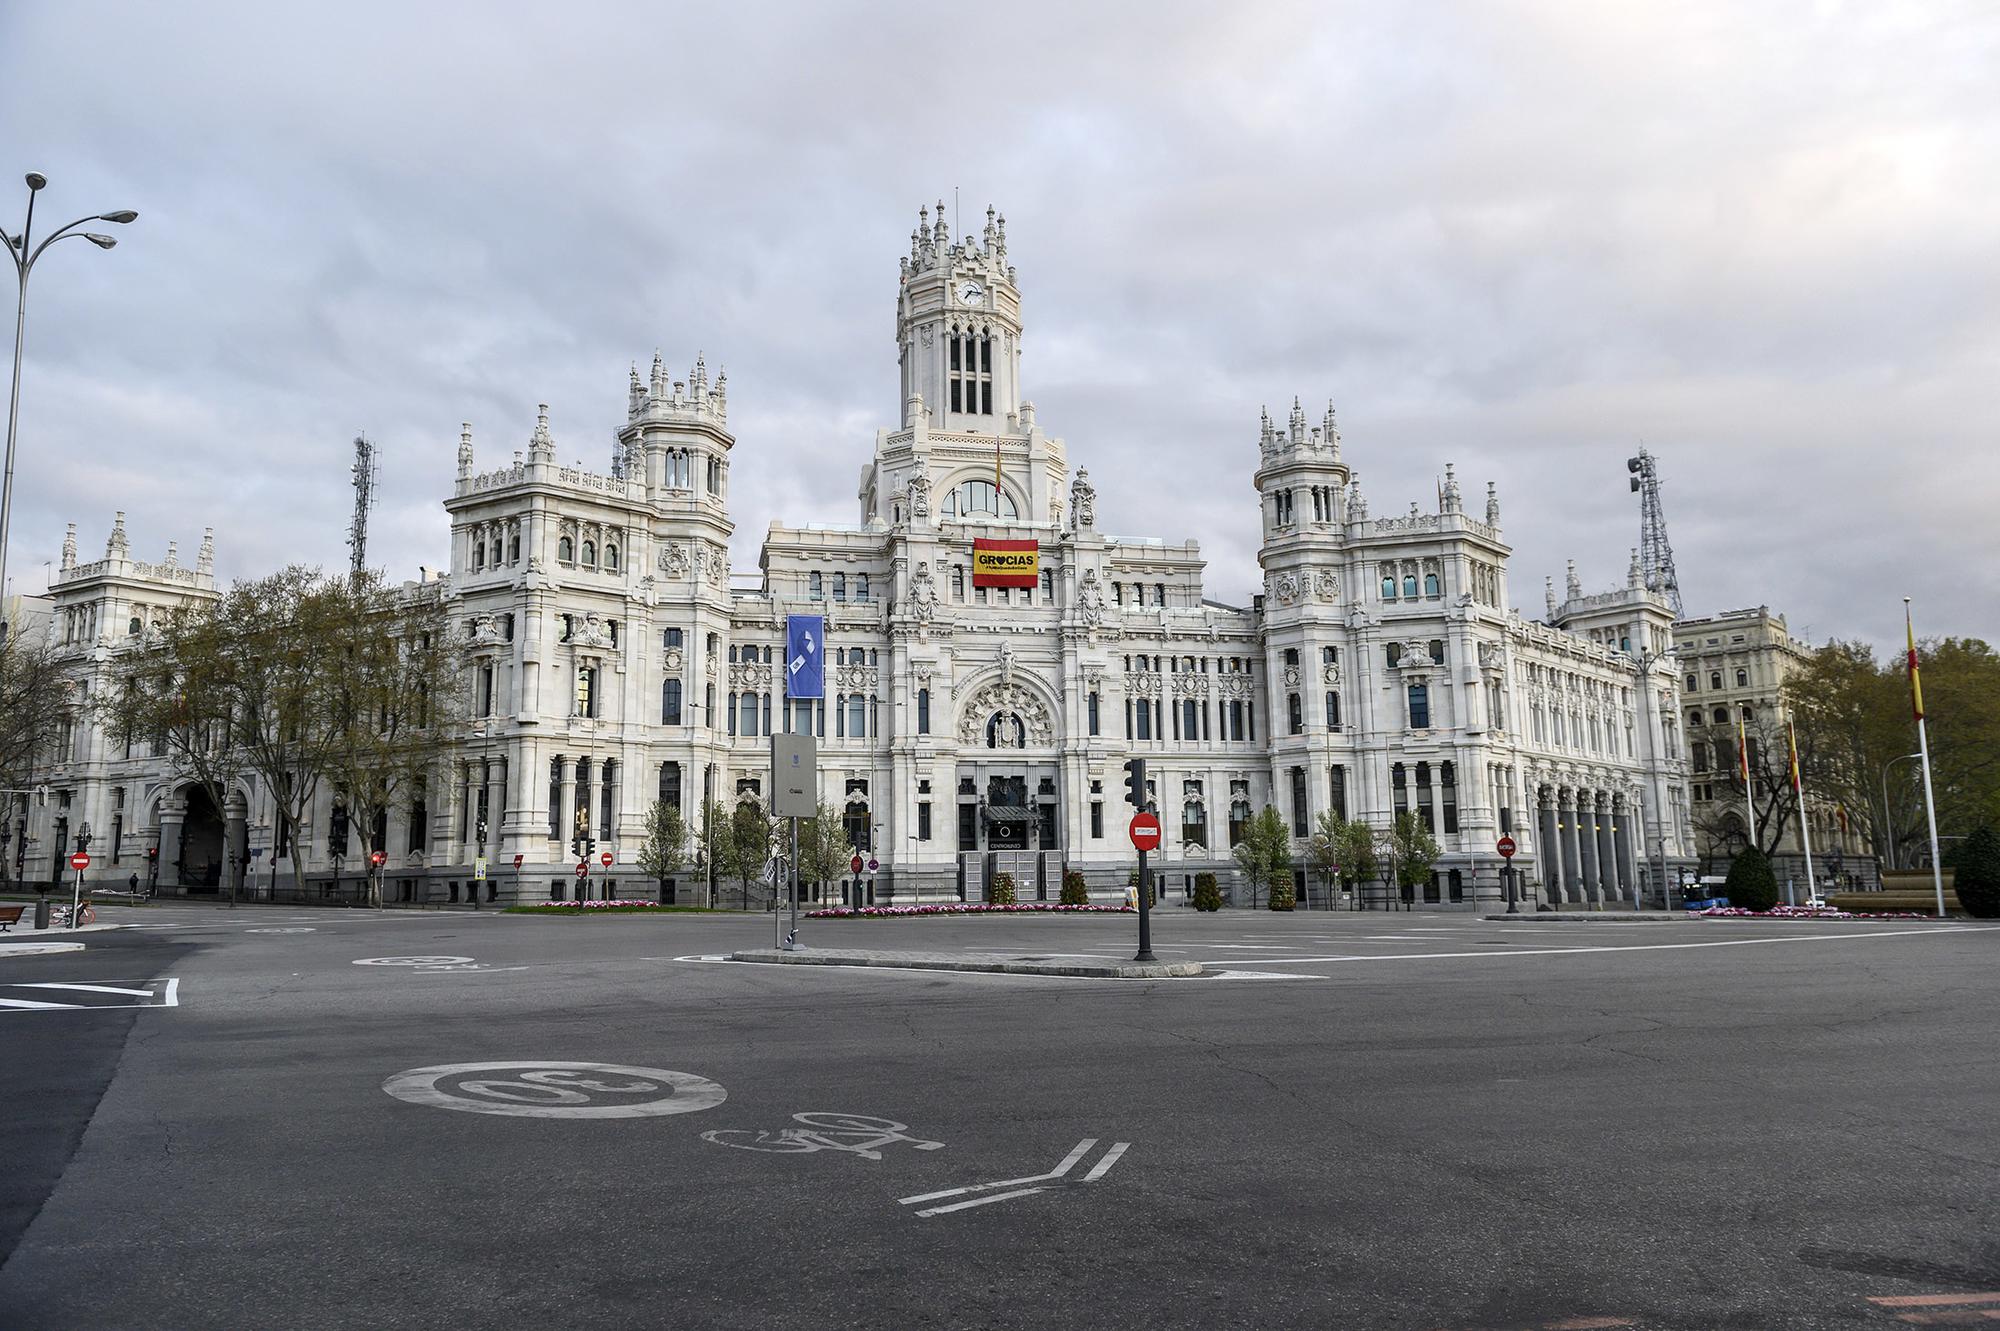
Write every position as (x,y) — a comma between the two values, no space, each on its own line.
(1742,753)
(1792,738)
(1005,563)
(1916,689)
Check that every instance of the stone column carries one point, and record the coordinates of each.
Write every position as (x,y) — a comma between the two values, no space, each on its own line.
(566,815)
(1570,799)
(1548,846)
(1621,835)
(1607,851)
(173,817)
(1586,847)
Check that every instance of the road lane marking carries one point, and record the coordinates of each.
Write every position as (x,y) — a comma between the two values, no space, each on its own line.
(1013,1187)
(857,1134)
(543,1088)
(1636,947)
(166,995)
(90,988)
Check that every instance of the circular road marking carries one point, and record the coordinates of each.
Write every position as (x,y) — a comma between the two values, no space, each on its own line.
(278,931)
(541,1088)
(413,961)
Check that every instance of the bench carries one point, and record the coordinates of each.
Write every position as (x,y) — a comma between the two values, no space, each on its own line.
(9,917)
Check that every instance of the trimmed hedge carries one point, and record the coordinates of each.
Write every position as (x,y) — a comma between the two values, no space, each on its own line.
(1074,890)
(1207,896)
(1000,892)
(1751,884)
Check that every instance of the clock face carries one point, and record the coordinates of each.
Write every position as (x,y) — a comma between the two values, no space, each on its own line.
(970,292)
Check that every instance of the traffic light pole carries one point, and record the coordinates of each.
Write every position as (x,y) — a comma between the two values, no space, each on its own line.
(1145,913)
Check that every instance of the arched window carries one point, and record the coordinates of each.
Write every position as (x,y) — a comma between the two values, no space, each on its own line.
(514,548)
(590,554)
(1694,719)
(1692,683)
(1742,679)
(1409,584)
(611,556)
(478,555)
(1715,679)
(861,586)
(970,497)
(815,586)
(1004,730)
(133,627)
(1430,584)
(1388,586)
(1420,707)
(1721,716)
(565,552)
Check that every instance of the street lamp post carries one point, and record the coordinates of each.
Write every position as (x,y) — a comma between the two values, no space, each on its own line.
(1886,816)
(24,257)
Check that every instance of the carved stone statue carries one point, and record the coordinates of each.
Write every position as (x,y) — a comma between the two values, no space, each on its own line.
(1082,502)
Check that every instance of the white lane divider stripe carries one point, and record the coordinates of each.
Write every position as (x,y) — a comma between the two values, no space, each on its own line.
(1103,1166)
(29,1003)
(1013,1185)
(1636,947)
(90,988)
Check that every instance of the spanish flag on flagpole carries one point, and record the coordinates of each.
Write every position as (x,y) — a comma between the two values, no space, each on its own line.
(1792,738)
(1916,688)
(996,476)
(1743,768)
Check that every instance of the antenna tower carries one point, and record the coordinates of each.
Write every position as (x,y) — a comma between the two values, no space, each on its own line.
(1656,553)
(364,499)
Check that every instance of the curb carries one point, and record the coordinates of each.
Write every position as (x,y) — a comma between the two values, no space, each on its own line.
(935,962)
(1590,917)
(36,949)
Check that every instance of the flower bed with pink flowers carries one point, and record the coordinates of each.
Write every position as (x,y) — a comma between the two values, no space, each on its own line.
(965,908)
(615,906)
(1804,913)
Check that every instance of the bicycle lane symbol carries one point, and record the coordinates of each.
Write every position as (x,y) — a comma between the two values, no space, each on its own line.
(541,1088)
(855,1134)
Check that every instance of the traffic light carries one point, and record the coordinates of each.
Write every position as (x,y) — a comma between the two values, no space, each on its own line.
(152,853)
(1135,782)
(376,857)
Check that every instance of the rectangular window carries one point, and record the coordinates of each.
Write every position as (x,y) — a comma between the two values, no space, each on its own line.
(1332,710)
(1420,707)
(670,702)
(1448,786)
(857,716)
(1299,812)
(924,821)
(1145,730)
(1337,788)
(1091,708)
(924,714)
(1097,820)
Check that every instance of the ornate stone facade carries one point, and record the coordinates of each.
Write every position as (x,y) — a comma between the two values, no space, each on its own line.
(968,729)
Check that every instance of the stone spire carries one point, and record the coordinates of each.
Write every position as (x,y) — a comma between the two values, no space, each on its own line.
(635,394)
(1297,423)
(1329,431)
(464,450)
(1572,584)
(69,546)
(1492,505)
(1453,502)
(1549,595)
(1357,503)
(1266,436)
(1634,578)
(541,444)
(658,382)
(173,559)
(204,560)
(117,547)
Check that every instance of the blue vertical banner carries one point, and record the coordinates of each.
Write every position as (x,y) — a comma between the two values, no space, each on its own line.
(805,656)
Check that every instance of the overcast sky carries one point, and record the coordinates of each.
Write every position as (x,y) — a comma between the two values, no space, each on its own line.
(1764,240)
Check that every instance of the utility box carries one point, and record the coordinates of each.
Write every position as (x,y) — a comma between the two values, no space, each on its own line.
(794,776)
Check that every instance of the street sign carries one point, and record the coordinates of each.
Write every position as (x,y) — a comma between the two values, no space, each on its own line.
(1145,831)
(794,776)
(479,870)
(79,861)
(518,859)
(873,864)
(1506,848)
(854,865)
(605,859)
(583,869)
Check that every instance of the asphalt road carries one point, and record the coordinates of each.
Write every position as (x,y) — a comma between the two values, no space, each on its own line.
(1394,1121)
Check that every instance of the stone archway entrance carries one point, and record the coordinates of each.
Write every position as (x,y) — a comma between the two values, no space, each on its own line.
(200,859)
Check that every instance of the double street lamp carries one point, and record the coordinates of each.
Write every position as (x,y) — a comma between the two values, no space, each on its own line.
(24,252)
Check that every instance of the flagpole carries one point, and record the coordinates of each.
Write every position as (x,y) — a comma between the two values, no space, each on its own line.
(1749,794)
(1805,827)
(1924,749)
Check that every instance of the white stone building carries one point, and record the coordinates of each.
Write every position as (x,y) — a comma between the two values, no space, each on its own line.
(966,729)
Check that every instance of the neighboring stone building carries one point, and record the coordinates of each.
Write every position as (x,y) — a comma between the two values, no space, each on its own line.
(1734,665)
(970,728)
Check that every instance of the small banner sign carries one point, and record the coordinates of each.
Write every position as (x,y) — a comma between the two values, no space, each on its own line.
(1005,563)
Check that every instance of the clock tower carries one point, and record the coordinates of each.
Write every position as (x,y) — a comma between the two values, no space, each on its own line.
(958,327)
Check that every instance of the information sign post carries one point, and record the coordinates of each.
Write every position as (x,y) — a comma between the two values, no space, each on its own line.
(1506,848)
(794,795)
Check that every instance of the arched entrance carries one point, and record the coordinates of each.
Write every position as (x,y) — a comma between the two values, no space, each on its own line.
(201,853)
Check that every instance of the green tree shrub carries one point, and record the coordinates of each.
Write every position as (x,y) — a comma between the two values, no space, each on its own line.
(1978,874)
(1001,891)
(1750,884)
(1074,892)
(1283,896)
(1207,896)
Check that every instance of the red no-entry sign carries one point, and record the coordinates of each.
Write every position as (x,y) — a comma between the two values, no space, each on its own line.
(605,859)
(1506,848)
(1145,831)
(518,859)
(583,869)
(79,861)
(854,865)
